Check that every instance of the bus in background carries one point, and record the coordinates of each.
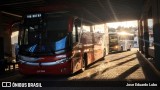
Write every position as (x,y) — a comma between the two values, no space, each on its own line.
(52,43)
(136,43)
(120,41)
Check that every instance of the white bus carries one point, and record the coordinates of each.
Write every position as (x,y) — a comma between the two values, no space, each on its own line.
(120,41)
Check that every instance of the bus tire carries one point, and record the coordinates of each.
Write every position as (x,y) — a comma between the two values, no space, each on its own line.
(129,48)
(121,48)
(104,53)
(84,62)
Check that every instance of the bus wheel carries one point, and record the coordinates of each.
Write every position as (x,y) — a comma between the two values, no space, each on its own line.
(129,48)
(121,48)
(84,63)
(104,53)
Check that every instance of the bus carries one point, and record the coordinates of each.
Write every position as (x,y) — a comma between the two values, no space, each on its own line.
(120,41)
(51,43)
(136,43)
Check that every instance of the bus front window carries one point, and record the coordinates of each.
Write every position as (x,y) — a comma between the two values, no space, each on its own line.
(113,40)
(45,38)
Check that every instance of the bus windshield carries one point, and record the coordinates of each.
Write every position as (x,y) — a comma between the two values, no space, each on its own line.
(113,39)
(45,38)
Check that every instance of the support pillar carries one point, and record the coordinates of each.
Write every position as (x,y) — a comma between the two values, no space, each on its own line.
(2,64)
(92,31)
(139,35)
(92,28)
(146,37)
(156,31)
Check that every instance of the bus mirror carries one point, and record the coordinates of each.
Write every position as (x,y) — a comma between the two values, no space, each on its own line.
(77,22)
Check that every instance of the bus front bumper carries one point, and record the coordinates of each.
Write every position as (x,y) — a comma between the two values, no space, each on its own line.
(55,68)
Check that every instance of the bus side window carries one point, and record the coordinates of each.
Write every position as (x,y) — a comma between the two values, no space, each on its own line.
(74,35)
(75,32)
(26,37)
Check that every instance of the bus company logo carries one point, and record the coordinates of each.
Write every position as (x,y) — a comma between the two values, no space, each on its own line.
(6,84)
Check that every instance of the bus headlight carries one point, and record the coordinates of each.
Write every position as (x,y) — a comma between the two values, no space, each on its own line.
(116,47)
(64,60)
(61,61)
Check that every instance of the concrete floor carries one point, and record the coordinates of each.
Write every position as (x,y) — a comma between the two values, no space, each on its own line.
(123,66)
(117,67)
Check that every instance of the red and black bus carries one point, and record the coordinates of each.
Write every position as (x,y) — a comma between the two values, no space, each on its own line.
(51,43)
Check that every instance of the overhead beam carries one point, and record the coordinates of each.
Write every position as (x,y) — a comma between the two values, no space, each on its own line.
(17,3)
(146,8)
(11,14)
